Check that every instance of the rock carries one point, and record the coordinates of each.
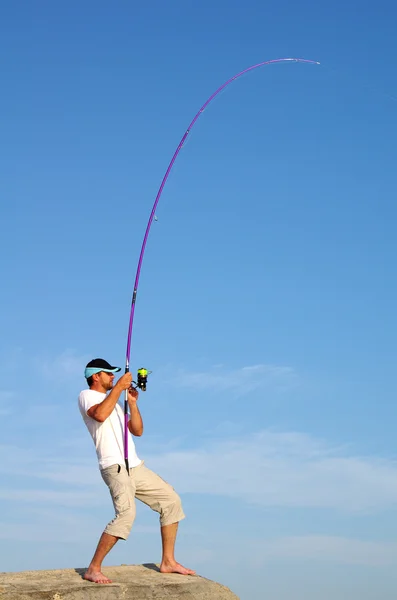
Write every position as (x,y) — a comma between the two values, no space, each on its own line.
(131,582)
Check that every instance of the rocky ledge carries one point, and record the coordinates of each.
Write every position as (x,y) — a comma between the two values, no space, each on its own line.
(130,582)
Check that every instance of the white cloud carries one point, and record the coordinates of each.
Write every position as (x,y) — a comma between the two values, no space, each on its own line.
(331,549)
(61,498)
(48,525)
(57,468)
(6,396)
(277,469)
(11,359)
(241,381)
(64,366)
(7,402)
(268,468)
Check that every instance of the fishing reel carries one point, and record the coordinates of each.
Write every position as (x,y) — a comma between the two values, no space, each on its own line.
(142,376)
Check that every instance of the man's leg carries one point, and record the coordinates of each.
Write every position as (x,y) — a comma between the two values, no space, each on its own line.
(122,492)
(93,572)
(168,562)
(161,497)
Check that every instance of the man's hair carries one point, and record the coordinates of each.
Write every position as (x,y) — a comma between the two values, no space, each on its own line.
(90,381)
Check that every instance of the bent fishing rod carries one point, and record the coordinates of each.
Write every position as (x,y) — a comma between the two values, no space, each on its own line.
(143,373)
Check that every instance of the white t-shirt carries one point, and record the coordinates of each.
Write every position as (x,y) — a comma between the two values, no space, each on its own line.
(108,436)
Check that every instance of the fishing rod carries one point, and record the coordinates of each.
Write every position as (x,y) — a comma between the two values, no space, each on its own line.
(143,373)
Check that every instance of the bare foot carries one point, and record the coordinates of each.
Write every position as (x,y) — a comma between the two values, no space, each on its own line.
(96,577)
(174,567)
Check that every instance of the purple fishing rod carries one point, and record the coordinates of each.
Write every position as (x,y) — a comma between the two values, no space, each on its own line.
(152,214)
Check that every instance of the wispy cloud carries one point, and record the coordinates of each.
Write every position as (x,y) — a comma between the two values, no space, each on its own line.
(44,522)
(267,468)
(60,498)
(278,469)
(65,365)
(7,400)
(242,381)
(6,395)
(330,549)
(56,468)
(11,359)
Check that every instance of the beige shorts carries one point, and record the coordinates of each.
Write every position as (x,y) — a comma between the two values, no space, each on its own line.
(146,486)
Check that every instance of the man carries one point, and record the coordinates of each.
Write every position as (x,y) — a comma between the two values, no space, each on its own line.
(104,419)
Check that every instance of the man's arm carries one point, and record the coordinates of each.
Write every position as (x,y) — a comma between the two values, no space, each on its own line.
(100,412)
(135,424)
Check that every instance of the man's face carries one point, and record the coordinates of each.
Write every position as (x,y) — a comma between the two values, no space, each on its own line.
(106,380)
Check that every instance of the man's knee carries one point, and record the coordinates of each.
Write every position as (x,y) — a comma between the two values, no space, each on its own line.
(121,525)
(172,511)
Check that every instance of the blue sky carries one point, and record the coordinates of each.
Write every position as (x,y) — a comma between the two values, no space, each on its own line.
(266,307)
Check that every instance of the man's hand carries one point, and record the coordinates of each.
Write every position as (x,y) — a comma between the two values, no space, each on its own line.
(124,382)
(100,412)
(132,395)
(135,424)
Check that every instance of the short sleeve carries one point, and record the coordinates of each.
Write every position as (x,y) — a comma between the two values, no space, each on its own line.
(89,398)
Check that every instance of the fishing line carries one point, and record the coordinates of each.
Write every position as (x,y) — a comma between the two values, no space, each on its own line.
(143,373)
